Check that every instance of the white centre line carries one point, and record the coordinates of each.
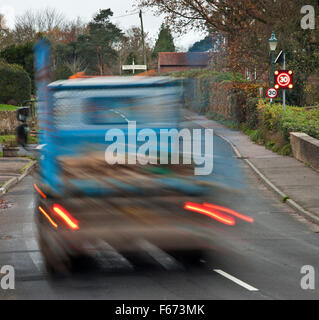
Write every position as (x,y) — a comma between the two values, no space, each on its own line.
(239,282)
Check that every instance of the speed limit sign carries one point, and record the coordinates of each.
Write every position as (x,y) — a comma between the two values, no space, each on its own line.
(272,93)
(284,79)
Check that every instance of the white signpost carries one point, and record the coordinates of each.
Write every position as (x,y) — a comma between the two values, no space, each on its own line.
(134,67)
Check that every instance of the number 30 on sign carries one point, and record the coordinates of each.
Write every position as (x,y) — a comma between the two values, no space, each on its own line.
(272,93)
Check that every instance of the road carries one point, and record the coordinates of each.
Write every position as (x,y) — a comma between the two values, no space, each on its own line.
(249,261)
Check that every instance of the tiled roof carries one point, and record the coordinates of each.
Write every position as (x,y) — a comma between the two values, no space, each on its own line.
(183,58)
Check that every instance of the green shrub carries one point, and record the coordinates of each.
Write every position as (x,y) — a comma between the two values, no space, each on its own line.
(15,84)
(270,144)
(275,148)
(252,113)
(256,136)
(286,150)
(274,119)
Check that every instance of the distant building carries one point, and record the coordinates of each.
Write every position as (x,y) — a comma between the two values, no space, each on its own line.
(180,61)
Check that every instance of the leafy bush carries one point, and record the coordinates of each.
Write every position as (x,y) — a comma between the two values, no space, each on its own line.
(15,84)
(256,136)
(270,144)
(274,119)
(21,54)
(252,113)
(286,150)
(222,93)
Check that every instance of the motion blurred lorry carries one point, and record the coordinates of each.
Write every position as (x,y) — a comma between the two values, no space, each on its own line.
(85,203)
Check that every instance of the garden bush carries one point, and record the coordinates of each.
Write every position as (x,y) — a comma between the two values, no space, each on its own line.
(274,119)
(15,84)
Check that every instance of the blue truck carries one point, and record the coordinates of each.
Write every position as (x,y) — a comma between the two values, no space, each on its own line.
(82,200)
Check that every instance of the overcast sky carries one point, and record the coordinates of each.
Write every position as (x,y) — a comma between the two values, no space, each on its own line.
(86,9)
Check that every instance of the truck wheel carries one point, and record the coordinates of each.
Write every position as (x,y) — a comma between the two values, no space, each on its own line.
(56,263)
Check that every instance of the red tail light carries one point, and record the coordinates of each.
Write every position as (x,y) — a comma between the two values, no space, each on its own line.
(66,216)
(230,211)
(215,214)
(48,217)
(39,191)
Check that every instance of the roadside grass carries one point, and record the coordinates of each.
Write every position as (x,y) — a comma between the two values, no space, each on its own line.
(7,107)
(26,167)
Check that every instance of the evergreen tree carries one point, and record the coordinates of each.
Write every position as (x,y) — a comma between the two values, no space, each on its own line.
(165,41)
(202,45)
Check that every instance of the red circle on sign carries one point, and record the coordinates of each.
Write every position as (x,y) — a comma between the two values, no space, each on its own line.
(268,93)
(284,79)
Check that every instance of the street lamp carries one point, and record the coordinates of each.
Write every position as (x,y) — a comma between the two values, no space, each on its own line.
(272,45)
(273,42)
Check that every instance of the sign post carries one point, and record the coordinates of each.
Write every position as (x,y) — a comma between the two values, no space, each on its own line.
(134,67)
(284,91)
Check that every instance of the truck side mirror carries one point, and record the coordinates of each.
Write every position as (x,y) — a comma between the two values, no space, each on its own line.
(22,134)
(23,114)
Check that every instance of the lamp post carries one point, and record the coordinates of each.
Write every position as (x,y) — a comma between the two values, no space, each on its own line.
(272,45)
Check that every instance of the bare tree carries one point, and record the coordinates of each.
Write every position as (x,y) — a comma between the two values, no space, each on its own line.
(30,23)
(50,19)
(76,65)
(5,34)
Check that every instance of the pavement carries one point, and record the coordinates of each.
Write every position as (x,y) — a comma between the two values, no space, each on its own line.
(287,176)
(249,261)
(11,168)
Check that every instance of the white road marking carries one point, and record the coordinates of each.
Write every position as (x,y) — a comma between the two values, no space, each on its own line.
(237,281)
(31,205)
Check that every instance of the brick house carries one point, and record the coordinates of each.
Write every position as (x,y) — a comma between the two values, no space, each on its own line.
(180,61)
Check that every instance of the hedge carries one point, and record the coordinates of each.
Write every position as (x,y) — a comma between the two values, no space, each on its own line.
(221,93)
(15,84)
(298,119)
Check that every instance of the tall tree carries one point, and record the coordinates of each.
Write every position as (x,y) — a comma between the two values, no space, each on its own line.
(213,41)
(5,34)
(131,45)
(165,41)
(101,39)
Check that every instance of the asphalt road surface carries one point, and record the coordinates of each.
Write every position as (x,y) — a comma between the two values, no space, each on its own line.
(248,261)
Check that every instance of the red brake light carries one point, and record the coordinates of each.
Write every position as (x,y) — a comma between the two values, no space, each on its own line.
(39,191)
(230,211)
(48,217)
(210,212)
(66,216)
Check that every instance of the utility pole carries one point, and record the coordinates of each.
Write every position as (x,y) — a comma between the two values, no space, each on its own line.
(143,40)
(284,91)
